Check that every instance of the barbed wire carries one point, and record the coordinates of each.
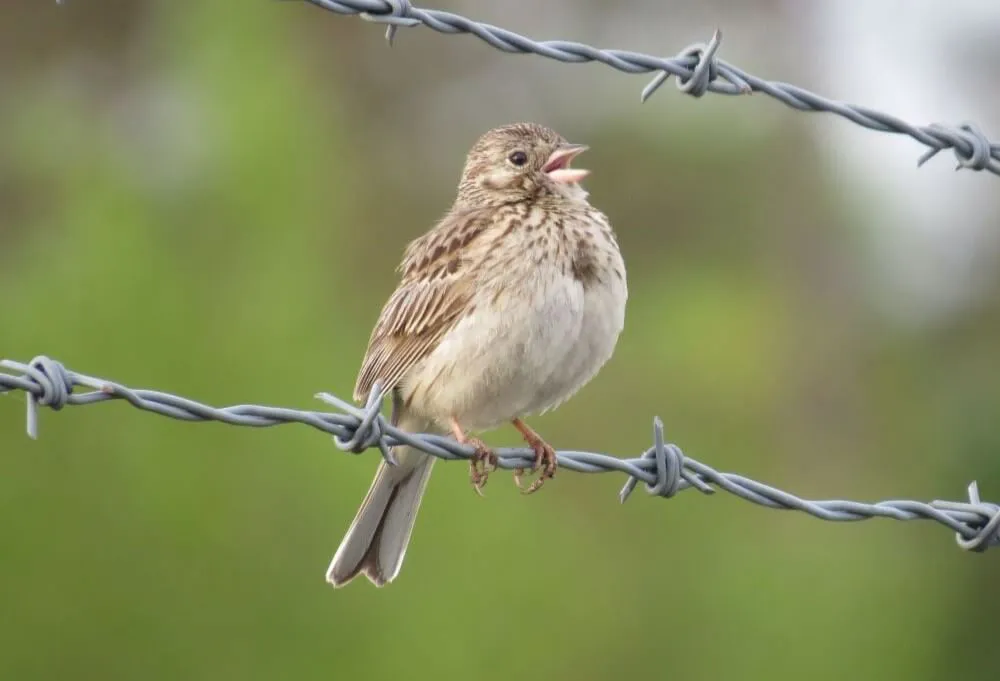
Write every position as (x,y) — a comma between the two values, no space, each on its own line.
(696,69)
(663,467)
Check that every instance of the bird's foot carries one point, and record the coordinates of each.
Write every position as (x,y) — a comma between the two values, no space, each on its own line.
(545,460)
(482,463)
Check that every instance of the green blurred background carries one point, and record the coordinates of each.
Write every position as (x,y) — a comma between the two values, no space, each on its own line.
(209,198)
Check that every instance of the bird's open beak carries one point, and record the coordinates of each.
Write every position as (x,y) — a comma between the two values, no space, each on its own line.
(557,165)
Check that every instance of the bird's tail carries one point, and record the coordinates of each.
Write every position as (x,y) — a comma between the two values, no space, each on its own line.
(376,541)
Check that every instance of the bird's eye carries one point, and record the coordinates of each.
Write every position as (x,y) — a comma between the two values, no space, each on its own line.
(518,158)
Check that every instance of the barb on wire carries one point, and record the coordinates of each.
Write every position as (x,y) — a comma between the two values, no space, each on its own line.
(663,467)
(696,68)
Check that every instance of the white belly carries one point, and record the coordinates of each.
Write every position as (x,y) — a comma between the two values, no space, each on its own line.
(600,325)
(522,352)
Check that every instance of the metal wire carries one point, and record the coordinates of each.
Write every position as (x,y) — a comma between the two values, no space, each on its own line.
(696,68)
(663,467)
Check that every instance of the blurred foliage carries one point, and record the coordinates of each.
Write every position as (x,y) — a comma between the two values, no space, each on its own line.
(210,219)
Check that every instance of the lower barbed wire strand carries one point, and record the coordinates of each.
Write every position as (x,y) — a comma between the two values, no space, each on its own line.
(663,468)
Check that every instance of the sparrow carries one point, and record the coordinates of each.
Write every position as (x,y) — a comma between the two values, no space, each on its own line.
(508,306)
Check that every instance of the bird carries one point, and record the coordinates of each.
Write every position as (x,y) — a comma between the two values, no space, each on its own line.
(509,305)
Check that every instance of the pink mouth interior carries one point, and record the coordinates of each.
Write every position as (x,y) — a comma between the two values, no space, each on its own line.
(557,164)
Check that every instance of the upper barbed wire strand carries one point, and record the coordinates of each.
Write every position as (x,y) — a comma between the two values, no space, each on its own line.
(696,68)
(663,467)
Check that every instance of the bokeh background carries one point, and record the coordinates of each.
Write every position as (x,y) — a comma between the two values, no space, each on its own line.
(210,197)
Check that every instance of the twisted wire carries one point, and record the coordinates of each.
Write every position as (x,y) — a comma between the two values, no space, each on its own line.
(663,468)
(696,69)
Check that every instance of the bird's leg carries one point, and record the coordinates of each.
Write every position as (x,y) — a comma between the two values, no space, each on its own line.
(545,457)
(482,463)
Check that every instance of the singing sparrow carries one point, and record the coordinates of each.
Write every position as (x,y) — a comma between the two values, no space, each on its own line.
(506,308)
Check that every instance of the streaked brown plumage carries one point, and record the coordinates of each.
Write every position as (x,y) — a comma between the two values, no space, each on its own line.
(508,306)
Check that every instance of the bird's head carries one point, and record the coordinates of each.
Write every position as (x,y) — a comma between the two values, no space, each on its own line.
(519,162)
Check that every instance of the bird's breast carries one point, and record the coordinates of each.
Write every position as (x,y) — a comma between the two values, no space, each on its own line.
(547,310)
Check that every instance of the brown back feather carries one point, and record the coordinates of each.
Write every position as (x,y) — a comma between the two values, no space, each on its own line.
(434,292)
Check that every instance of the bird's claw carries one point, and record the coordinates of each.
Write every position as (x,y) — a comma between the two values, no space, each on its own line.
(482,463)
(545,459)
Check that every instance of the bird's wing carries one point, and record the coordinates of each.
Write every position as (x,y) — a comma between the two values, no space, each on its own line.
(435,291)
